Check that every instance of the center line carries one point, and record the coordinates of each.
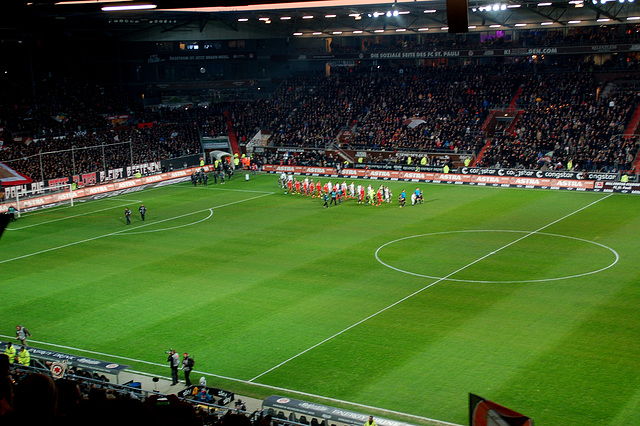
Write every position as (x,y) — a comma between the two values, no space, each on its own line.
(423,289)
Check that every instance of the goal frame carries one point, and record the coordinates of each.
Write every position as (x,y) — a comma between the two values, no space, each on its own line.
(42,198)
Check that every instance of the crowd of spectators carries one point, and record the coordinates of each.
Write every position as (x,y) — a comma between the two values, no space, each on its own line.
(452,105)
(569,123)
(31,396)
(79,152)
(574,116)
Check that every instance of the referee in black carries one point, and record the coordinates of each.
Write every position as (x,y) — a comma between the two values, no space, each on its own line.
(143,211)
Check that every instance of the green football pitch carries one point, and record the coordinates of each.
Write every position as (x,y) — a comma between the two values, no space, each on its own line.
(529,298)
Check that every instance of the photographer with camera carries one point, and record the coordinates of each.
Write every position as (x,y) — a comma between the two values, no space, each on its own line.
(174,363)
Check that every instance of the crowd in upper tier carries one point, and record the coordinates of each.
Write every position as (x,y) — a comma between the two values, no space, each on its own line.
(561,120)
(567,119)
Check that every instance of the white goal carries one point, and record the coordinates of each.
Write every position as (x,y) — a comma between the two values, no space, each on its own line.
(42,198)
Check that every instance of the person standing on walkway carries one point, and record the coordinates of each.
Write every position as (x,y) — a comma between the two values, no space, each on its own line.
(187,366)
(174,363)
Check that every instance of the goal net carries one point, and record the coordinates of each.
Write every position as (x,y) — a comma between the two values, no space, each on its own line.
(36,199)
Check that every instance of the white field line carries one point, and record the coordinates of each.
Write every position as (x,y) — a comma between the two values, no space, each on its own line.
(73,216)
(423,289)
(127,229)
(275,388)
(117,198)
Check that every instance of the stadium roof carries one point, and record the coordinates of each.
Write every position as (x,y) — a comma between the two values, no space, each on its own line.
(266,18)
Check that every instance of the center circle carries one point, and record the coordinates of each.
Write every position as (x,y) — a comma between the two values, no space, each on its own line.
(491,253)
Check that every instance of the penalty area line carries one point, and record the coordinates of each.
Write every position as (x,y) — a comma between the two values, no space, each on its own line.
(123,231)
(70,217)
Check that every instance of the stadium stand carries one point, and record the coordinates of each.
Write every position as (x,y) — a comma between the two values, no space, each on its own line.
(30,395)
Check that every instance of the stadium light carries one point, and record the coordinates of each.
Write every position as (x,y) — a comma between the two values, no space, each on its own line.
(130,6)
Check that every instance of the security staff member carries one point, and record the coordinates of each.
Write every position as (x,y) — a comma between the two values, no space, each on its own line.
(24,358)
(10,352)
(143,211)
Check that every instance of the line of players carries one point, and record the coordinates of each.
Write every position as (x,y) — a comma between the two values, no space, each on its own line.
(339,192)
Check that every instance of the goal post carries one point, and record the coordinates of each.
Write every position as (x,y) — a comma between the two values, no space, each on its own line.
(43,198)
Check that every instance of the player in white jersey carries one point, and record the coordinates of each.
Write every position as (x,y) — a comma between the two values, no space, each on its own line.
(387,195)
(352,190)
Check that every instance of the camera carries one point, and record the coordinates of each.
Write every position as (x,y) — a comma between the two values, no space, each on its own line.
(169,351)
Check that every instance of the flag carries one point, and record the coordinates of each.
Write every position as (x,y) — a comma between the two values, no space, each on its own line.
(412,123)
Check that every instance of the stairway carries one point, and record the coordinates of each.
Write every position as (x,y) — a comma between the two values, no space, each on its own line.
(232,135)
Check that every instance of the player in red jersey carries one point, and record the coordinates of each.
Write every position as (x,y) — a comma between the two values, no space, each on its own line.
(297,186)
